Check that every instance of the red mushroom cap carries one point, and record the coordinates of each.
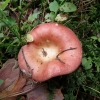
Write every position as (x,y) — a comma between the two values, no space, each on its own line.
(55,51)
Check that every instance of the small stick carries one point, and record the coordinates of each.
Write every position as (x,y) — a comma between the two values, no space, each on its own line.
(30,72)
(25,58)
(29,68)
(57,57)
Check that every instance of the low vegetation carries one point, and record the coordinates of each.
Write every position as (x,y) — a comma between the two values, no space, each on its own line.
(18,17)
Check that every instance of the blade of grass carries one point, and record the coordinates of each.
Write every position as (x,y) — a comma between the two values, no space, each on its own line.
(92,89)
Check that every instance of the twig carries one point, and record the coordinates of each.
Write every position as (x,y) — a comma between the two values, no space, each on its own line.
(90,95)
(92,89)
(48,1)
(30,71)
(19,19)
(25,58)
(57,57)
(29,68)
(43,14)
(77,93)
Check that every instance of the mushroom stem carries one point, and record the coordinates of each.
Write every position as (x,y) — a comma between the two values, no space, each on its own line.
(57,57)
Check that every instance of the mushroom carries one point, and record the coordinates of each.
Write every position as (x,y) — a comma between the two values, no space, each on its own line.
(55,51)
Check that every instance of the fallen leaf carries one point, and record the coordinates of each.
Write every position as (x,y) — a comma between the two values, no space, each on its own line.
(13,80)
(14,84)
(58,95)
(9,73)
(40,93)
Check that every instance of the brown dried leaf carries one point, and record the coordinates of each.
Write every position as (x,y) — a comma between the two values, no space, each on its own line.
(58,95)
(9,73)
(15,84)
(40,93)
(37,93)
(13,80)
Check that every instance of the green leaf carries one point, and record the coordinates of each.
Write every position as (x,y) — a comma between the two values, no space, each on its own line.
(87,63)
(10,21)
(98,68)
(4,5)
(68,7)
(2,24)
(54,6)
(50,17)
(84,61)
(61,0)
(94,37)
(16,41)
(32,17)
(97,63)
(99,39)
(1,81)
(1,35)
